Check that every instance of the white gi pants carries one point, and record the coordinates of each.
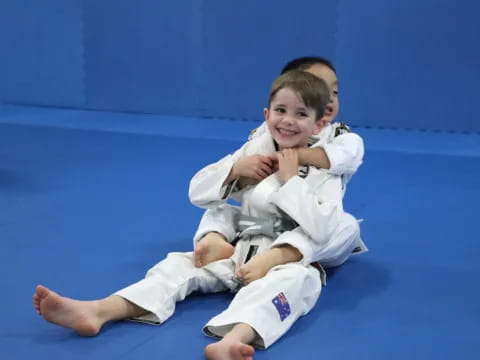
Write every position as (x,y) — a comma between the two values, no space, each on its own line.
(345,241)
(269,305)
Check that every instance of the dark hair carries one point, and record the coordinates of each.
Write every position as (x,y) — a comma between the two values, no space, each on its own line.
(311,89)
(305,62)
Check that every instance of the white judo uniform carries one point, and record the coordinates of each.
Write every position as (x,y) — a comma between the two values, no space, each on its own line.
(345,151)
(270,305)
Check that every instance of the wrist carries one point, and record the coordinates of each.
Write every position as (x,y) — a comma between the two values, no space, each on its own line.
(231,176)
(301,155)
(234,172)
(287,177)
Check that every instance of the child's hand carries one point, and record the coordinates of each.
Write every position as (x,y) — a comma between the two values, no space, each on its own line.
(256,167)
(287,164)
(274,159)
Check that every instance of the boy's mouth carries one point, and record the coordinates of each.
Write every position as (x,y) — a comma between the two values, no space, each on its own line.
(286,132)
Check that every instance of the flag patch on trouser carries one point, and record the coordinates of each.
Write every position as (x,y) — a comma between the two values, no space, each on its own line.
(281,303)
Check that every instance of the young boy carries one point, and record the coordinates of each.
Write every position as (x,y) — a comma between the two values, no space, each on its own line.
(282,203)
(335,148)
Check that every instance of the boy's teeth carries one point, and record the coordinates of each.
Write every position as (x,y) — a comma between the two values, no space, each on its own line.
(286,132)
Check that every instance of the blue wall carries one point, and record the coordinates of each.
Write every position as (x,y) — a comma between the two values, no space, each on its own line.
(41,52)
(408,64)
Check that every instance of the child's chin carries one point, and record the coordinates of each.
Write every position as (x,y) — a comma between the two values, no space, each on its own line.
(286,141)
(286,144)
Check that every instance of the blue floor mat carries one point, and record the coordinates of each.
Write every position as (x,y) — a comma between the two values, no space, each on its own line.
(86,212)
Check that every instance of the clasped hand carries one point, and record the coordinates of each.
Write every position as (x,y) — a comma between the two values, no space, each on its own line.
(255,168)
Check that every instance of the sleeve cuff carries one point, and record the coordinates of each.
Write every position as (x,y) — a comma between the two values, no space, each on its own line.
(336,157)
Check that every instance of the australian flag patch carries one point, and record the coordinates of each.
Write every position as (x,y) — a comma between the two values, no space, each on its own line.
(282,306)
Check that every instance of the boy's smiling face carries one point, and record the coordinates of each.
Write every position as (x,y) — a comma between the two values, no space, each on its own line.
(290,122)
(326,74)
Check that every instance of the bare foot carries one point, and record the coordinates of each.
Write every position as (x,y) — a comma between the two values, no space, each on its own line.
(81,316)
(227,350)
(261,264)
(257,267)
(210,248)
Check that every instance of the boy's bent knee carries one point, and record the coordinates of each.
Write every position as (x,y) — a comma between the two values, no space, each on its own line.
(350,225)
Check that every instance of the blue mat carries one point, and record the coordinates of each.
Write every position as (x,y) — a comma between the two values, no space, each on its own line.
(87,210)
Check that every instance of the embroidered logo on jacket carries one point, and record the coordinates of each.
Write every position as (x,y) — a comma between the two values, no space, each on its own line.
(341,129)
(281,303)
(303,171)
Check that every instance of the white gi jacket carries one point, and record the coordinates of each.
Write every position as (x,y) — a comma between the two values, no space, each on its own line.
(314,202)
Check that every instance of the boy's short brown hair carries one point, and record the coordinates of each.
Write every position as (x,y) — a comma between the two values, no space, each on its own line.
(312,90)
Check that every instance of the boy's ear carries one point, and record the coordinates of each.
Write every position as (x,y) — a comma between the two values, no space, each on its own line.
(266,113)
(319,125)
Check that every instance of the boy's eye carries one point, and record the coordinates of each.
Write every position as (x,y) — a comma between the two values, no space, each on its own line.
(280,110)
(302,114)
